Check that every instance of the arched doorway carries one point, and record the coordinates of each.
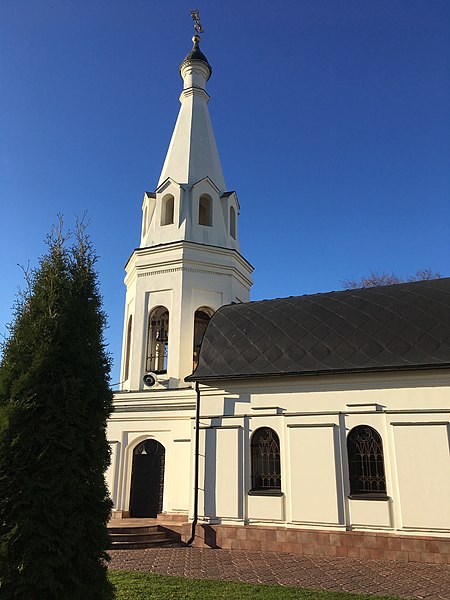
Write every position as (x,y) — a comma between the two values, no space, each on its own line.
(147,479)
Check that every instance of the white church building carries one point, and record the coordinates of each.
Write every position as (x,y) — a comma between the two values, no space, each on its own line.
(315,424)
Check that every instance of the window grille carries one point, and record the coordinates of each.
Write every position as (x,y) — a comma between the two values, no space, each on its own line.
(265,449)
(366,461)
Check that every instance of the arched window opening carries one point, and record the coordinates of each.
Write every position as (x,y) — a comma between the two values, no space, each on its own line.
(232,222)
(144,222)
(366,461)
(205,210)
(157,340)
(167,210)
(128,348)
(266,470)
(202,317)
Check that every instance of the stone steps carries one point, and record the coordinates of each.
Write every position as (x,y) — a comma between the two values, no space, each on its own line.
(172,518)
(142,537)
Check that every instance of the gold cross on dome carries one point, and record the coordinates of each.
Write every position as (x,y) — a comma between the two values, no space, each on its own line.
(196,18)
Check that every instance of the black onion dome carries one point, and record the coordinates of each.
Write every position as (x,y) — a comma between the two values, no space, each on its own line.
(196,54)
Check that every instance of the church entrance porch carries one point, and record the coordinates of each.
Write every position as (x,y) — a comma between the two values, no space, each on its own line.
(147,479)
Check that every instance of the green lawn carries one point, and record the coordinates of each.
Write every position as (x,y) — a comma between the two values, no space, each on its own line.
(149,586)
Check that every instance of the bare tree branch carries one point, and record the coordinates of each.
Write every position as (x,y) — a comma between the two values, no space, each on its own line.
(380,278)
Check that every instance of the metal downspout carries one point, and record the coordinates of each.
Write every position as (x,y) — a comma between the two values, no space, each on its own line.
(197,449)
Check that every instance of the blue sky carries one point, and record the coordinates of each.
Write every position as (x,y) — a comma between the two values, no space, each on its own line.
(332,120)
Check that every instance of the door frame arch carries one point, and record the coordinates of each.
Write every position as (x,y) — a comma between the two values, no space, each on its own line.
(158,436)
(147,478)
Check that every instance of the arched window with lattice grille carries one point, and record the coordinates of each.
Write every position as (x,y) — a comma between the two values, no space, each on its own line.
(266,468)
(366,462)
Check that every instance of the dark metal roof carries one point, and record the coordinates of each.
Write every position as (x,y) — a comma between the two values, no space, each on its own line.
(196,54)
(403,326)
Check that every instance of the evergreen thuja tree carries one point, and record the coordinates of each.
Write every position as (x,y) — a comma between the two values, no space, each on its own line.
(54,403)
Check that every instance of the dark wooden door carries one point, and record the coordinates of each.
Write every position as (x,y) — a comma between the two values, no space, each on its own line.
(147,479)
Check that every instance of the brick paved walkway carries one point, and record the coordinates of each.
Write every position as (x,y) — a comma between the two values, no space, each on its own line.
(413,580)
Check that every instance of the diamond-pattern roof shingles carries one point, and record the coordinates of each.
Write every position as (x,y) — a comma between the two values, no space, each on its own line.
(399,326)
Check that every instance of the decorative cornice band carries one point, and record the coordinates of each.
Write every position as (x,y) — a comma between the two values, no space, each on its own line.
(154,408)
(194,91)
(187,269)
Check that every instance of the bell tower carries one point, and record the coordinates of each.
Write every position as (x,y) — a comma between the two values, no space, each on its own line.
(188,263)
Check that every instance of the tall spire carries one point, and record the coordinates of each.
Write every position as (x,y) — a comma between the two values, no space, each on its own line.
(192,153)
(189,258)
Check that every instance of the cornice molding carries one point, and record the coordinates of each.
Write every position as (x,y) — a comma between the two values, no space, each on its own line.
(153,408)
(186,269)
(186,244)
(194,91)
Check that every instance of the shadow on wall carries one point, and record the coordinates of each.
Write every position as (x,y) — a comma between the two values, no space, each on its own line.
(210,505)
(229,403)
(210,536)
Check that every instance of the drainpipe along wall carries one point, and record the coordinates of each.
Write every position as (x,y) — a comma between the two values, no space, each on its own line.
(196,464)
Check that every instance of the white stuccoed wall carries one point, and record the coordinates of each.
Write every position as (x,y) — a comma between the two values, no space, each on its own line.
(162,415)
(182,277)
(312,417)
(186,225)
